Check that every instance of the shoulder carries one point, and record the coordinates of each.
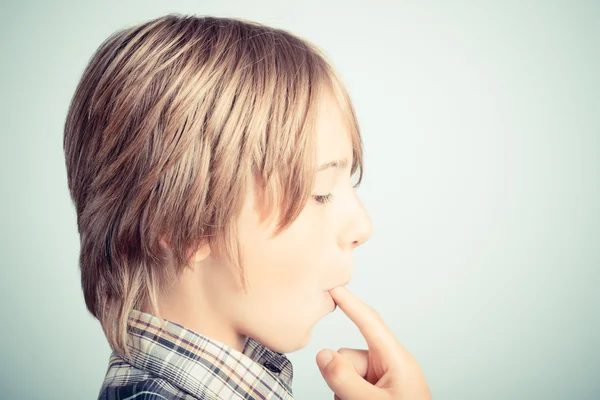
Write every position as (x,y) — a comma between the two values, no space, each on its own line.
(148,389)
(125,382)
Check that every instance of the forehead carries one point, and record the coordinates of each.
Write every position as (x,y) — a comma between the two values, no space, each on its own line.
(333,134)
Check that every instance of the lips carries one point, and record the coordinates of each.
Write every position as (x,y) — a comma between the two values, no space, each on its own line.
(342,284)
(330,298)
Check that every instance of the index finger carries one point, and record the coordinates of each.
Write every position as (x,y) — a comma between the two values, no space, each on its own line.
(368,321)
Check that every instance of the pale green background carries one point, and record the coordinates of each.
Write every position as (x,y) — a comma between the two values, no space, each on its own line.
(481,125)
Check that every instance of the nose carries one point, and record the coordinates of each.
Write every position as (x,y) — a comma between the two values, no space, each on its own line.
(358,227)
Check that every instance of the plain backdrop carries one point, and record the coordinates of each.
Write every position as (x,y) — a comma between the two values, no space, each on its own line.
(481,127)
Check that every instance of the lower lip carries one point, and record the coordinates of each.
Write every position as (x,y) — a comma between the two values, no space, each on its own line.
(328,295)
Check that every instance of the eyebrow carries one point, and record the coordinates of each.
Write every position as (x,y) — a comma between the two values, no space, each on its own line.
(342,163)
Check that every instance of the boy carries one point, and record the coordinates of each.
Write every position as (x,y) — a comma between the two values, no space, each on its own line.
(210,163)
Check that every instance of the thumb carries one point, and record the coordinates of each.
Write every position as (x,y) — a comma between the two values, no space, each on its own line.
(342,378)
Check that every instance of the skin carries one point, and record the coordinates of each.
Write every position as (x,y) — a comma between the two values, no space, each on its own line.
(290,275)
(386,371)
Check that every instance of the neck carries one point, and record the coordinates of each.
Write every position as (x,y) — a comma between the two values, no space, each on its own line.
(187,304)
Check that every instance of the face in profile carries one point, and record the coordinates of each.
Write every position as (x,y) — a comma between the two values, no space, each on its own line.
(289,275)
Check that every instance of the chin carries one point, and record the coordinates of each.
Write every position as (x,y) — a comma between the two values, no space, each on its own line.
(288,343)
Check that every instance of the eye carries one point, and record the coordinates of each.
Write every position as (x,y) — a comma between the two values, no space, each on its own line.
(325,198)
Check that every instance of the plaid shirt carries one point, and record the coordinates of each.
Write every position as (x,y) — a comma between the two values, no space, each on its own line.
(178,363)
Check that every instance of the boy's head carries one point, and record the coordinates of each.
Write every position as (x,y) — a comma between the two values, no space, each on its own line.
(193,147)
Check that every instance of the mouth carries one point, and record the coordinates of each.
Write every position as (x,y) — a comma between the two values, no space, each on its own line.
(328,295)
(345,283)
(330,298)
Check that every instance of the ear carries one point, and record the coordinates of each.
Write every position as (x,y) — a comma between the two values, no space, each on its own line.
(199,255)
(202,252)
(164,242)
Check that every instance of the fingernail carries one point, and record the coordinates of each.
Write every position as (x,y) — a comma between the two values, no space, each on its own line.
(325,358)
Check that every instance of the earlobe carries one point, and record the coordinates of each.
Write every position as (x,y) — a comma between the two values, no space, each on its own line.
(199,255)
(164,243)
(202,253)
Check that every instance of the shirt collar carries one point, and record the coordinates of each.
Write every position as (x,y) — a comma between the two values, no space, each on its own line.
(191,360)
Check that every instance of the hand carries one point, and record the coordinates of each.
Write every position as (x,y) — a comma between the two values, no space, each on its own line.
(385,371)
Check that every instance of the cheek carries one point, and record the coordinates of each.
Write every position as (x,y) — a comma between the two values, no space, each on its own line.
(286,297)
(294,259)
(286,274)
(286,279)
(287,270)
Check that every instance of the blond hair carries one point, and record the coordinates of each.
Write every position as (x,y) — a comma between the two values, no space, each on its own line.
(168,120)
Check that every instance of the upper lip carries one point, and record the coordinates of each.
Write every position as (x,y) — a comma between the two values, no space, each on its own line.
(342,284)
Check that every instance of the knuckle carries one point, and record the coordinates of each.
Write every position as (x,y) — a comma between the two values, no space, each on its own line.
(376,314)
(339,375)
(372,310)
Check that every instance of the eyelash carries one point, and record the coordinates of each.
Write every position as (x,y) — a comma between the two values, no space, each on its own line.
(322,199)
